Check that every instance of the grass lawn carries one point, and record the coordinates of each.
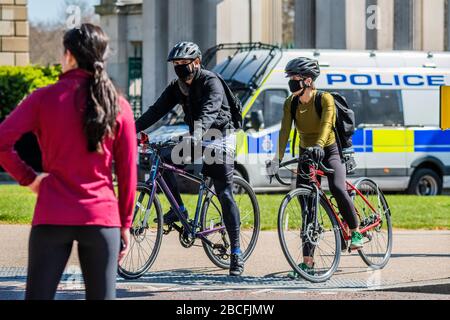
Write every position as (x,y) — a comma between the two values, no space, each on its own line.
(409,212)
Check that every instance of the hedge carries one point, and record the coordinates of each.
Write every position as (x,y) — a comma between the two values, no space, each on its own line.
(18,82)
(15,84)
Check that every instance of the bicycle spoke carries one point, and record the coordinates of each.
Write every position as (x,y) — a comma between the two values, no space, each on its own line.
(376,251)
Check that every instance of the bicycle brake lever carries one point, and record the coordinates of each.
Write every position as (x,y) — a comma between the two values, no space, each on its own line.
(325,169)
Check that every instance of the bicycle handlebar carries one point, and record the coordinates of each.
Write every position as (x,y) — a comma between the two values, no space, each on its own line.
(144,140)
(303,158)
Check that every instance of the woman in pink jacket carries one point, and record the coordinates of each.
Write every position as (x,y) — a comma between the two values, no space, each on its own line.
(82,126)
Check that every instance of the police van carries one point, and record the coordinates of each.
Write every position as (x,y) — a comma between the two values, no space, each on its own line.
(395,97)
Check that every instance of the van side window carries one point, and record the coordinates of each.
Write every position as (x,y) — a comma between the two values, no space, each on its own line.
(270,103)
(376,107)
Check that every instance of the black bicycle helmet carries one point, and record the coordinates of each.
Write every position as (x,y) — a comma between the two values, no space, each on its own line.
(303,67)
(185,50)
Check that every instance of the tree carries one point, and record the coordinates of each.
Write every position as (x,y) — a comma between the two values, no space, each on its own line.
(46,38)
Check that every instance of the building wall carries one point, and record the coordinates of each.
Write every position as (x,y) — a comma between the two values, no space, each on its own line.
(234,18)
(323,24)
(385,33)
(14,33)
(401,24)
(433,25)
(355,24)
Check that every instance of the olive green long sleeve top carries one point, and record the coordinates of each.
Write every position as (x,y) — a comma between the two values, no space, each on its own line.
(313,130)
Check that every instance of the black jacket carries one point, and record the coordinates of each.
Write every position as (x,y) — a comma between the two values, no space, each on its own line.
(206,102)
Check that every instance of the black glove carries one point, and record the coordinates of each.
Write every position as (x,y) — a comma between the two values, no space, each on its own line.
(318,154)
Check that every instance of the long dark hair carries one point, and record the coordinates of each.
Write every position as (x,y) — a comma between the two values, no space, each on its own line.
(89,45)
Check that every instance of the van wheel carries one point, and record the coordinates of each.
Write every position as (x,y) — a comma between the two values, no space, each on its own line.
(425,182)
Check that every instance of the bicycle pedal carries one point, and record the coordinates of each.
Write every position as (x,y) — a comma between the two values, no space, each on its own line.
(167,230)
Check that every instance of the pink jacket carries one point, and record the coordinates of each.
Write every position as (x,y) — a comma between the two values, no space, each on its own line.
(79,190)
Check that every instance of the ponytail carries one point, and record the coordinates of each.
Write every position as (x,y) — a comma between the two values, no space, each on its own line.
(89,46)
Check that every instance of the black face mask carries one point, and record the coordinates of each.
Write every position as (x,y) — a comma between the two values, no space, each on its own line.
(184,71)
(296,85)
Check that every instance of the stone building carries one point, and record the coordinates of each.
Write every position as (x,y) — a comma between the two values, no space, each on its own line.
(14,33)
(150,28)
(143,31)
(373,24)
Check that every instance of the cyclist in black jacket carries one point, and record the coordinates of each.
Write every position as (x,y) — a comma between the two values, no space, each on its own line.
(202,96)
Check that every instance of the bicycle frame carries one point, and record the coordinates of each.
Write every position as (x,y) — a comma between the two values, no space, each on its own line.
(156,180)
(313,175)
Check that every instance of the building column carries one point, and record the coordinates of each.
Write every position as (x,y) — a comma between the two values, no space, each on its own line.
(385,32)
(205,23)
(330,32)
(118,62)
(371,30)
(155,44)
(270,22)
(355,24)
(14,33)
(233,17)
(447,26)
(418,24)
(403,24)
(180,26)
(305,24)
(433,25)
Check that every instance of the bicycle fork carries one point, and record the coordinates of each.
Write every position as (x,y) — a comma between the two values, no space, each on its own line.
(310,227)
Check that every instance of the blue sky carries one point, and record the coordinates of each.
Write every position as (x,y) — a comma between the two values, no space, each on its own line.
(48,10)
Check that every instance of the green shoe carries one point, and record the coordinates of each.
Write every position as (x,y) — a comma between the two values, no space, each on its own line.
(295,275)
(357,241)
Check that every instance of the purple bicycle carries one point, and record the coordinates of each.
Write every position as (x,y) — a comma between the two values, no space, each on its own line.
(207,226)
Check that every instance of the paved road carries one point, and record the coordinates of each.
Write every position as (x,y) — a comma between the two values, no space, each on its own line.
(419,269)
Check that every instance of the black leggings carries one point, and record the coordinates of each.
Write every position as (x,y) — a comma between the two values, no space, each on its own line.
(50,248)
(222,175)
(338,189)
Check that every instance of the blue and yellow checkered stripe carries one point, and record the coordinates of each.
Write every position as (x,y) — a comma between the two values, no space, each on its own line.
(364,141)
(401,141)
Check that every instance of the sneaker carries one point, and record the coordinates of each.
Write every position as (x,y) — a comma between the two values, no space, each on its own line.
(171,217)
(237,265)
(295,275)
(357,241)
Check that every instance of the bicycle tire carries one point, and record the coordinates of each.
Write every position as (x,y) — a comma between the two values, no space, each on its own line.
(142,191)
(293,195)
(247,252)
(363,254)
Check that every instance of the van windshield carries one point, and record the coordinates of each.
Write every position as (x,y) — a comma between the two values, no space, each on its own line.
(243,65)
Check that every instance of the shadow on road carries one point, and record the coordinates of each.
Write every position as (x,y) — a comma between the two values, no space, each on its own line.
(419,255)
(432,289)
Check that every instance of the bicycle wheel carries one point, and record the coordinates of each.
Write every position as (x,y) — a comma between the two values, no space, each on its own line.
(212,218)
(301,237)
(146,236)
(378,241)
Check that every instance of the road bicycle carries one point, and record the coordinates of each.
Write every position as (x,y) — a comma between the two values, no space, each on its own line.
(207,226)
(309,222)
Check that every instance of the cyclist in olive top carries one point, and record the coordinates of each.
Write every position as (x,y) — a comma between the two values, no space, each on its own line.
(316,132)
